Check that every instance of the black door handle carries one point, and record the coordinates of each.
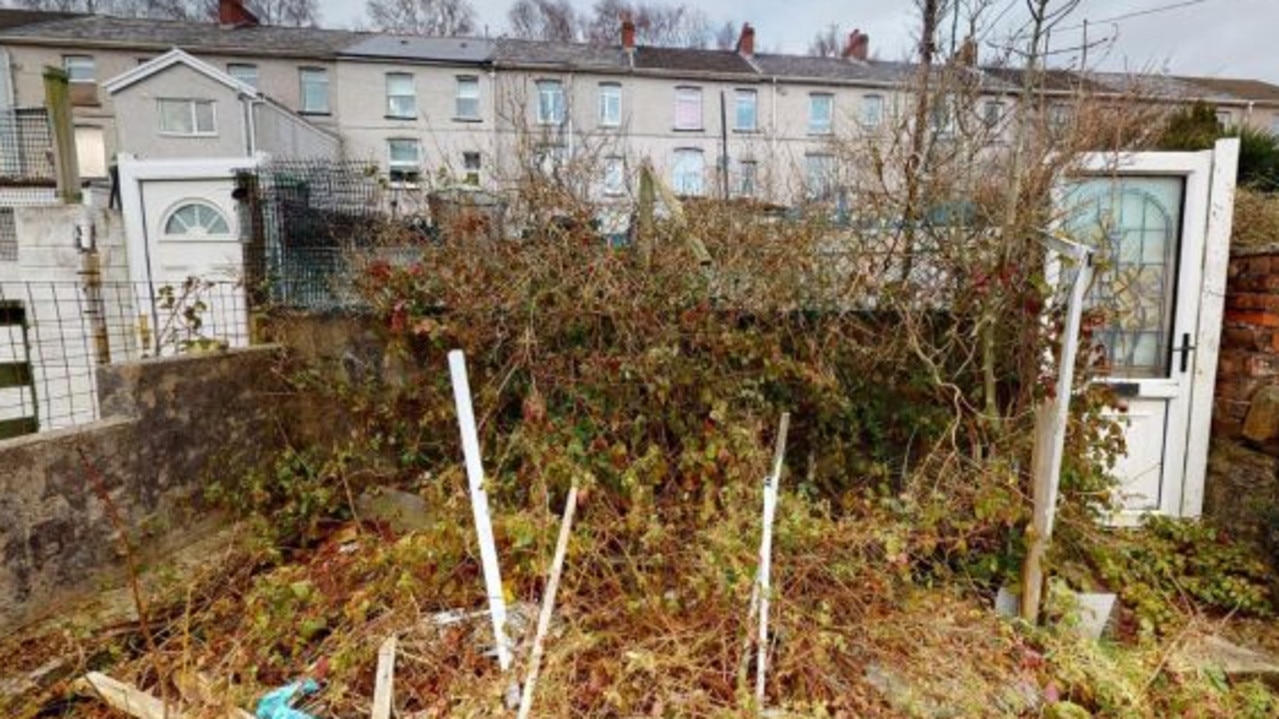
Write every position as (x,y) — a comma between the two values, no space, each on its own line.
(1185,349)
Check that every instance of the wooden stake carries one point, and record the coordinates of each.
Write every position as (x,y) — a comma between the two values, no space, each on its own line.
(766,558)
(480,505)
(384,684)
(548,604)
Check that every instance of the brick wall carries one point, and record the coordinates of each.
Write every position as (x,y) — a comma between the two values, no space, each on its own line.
(1249,358)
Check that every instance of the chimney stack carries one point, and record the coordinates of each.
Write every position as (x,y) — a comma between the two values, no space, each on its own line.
(233,13)
(628,32)
(858,47)
(746,41)
(967,52)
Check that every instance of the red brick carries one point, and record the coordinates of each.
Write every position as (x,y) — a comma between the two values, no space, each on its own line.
(1253,318)
(1261,366)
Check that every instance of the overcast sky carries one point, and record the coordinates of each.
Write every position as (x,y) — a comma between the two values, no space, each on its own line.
(1201,37)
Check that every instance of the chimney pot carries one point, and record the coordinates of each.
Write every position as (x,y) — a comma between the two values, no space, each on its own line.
(628,32)
(746,41)
(233,13)
(858,47)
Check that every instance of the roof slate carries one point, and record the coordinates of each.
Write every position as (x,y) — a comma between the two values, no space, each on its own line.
(560,54)
(90,30)
(416,47)
(683,60)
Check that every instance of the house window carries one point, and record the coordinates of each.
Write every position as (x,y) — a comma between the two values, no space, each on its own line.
(191,118)
(401,96)
(821,108)
(471,165)
(688,108)
(872,111)
(315,90)
(746,106)
(1060,116)
(1225,118)
(404,160)
(943,117)
(467,101)
(610,104)
(993,113)
(688,172)
(196,219)
(747,178)
(614,176)
(1274,125)
(548,159)
(819,176)
(79,68)
(551,109)
(245,72)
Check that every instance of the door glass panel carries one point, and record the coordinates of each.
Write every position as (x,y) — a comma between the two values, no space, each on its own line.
(1135,225)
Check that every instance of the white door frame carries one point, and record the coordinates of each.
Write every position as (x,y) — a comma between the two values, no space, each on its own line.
(1208,213)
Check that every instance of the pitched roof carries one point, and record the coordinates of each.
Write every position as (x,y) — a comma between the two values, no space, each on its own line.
(560,55)
(12,17)
(684,60)
(826,69)
(168,60)
(1252,90)
(104,30)
(427,49)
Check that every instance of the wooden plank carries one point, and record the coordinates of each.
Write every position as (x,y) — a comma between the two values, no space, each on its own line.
(15,374)
(128,698)
(1211,310)
(548,605)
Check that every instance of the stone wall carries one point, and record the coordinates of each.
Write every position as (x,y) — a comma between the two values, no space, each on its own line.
(169,426)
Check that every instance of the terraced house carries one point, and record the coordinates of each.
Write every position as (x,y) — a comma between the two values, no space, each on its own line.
(478,110)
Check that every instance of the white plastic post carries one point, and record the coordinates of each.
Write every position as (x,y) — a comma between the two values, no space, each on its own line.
(548,605)
(766,556)
(480,505)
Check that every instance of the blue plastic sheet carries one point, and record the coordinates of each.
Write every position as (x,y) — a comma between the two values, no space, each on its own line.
(278,704)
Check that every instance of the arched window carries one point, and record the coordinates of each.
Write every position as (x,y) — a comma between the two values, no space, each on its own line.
(196,219)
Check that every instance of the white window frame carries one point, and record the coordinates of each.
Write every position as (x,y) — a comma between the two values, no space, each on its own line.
(614,184)
(471,170)
(752,96)
(1225,118)
(610,104)
(401,166)
(466,91)
(401,98)
(552,104)
(689,95)
(872,111)
(71,60)
(684,181)
(313,76)
(814,100)
(243,71)
(819,176)
(747,178)
(993,112)
(192,104)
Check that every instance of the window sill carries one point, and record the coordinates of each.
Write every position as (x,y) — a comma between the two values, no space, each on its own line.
(743,131)
(401,118)
(190,135)
(688,129)
(468,120)
(820,133)
(315,113)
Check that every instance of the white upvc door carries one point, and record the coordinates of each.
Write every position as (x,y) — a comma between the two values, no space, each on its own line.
(1156,298)
(1159,223)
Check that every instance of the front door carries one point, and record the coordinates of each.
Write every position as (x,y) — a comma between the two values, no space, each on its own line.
(1147,222)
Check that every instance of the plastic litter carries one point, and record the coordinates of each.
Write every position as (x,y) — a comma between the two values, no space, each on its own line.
(278,703)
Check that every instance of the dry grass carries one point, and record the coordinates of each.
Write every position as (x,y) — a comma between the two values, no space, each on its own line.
(1256,219)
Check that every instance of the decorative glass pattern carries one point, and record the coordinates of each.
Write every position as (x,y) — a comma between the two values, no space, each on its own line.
(1135,225)
(196,219)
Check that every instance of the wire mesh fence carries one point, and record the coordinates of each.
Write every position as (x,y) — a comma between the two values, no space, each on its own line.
(54,336)
(26,147)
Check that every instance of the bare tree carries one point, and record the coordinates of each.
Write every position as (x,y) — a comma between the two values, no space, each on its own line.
(551,20)
(656,24)
(826,43)
(292,13)
(726,36)
(422,17)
